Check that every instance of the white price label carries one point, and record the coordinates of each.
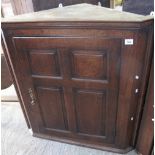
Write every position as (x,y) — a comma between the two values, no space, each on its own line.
(128,41)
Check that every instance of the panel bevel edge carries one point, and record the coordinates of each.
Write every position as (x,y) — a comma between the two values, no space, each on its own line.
(60,90)
(104,53)
(51,52)
(102,92)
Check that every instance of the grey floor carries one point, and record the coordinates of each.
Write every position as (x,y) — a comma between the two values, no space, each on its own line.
(16,139)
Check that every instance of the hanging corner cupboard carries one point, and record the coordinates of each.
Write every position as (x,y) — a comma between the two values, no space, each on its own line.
(80,73)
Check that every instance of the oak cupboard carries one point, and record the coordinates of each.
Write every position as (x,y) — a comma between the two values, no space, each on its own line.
(81,76)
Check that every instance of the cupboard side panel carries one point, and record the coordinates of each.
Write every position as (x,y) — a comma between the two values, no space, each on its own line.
(146,132)
(131,66)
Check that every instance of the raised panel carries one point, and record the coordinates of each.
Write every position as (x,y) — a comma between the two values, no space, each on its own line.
(51,102)
(44,62)
(89,64)
(90,109)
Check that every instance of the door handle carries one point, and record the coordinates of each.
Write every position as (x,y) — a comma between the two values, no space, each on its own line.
(32,98)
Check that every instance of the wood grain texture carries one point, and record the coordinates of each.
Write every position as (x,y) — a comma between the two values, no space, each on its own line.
(146,132)
(47,119)
(6,80)
(44,62)
(89,64)
(145,78)
(15,82)
(121,62)
(51,102)
(16,139)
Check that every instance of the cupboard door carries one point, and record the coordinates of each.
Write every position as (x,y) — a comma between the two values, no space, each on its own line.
(74,85)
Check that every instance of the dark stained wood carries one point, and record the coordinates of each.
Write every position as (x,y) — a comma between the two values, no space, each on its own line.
(67,49)
(6,79)
(96,114)
(146,132)
(136,99)
(5,50)
(48,62)
(51,103)
(89,64)
(145,79)
(88,78)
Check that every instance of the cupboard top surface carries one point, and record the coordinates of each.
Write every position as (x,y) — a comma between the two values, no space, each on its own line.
(79,12)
